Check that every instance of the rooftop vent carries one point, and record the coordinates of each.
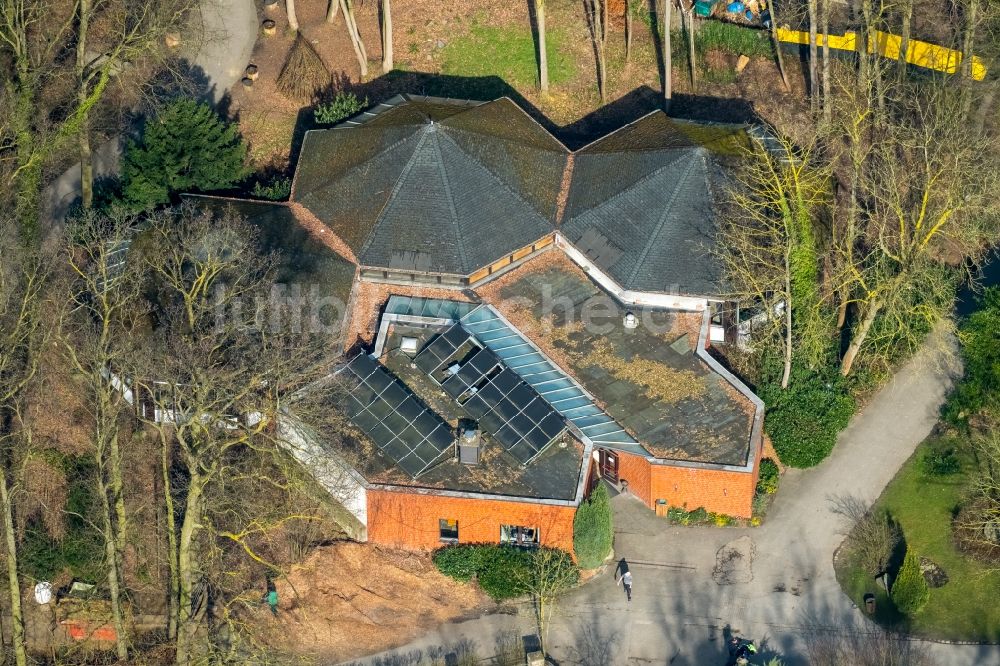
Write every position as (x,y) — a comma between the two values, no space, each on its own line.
(408,346)
(470,443)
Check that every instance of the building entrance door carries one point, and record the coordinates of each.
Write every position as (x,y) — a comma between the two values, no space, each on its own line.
(609,465)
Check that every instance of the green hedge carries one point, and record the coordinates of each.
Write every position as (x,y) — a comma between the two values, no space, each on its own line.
(502,571)
(804,420)
(910,592)
(593,529)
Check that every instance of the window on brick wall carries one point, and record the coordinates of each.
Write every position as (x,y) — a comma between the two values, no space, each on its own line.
(448,529)
(519,536)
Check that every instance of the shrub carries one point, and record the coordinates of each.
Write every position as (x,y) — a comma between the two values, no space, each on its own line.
(502,571)
(803,420)
(458,562)
(940,462)
(185,148)
(981,356)
(767,480)
(910,592)
(277,189)
(344,105)
(593,529)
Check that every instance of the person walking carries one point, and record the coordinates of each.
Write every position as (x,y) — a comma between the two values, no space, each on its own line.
(626,581)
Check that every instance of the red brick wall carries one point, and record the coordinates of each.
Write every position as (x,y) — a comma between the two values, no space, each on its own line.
(635,470)
(410,519)
(718,491)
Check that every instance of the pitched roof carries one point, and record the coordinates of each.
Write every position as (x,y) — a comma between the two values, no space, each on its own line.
(640,203)
(416,187)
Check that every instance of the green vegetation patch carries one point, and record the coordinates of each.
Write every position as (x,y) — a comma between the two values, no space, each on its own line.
(593,530)
(733,39)
(502,571)
(507,53)
(965,607)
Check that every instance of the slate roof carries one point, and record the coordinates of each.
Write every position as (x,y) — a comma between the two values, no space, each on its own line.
(435,186)
(640,203)
(449,186)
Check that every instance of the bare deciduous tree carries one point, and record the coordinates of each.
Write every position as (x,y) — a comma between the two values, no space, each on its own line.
(23,336)
(97,337)
(768,251)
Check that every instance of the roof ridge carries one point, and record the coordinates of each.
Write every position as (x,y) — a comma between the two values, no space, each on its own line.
(497,178)
(455,223)
(395,189)
(562,198)
(667,210)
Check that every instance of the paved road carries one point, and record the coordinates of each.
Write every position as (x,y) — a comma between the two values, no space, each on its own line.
(227,32)
(774,584)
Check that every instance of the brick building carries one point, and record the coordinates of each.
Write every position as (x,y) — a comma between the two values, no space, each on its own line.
(524,322)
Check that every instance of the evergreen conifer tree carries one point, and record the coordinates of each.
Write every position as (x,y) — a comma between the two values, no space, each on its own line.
(910,592)
(185,148)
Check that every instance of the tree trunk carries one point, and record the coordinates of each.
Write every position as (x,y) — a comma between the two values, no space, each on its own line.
(187,565)
(13,578)
(604,20)
(331,11)
(825,26)
(813,70)
(597,30)
(858,339)
(173,597)
(111,554)
(668,86)
(692,59)
(777,48)
(969,38)
(628,30)
(293,20)
(386,37)
(86,160)
(352,31)
(543,52)
(904,39)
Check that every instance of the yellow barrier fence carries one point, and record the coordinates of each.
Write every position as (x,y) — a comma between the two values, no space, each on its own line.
(886,44)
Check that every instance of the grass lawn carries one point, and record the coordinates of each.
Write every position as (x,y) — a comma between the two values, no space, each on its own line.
(508,53)
(966,607)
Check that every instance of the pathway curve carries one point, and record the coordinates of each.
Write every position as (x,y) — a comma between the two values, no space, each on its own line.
(779,586)
(228,31)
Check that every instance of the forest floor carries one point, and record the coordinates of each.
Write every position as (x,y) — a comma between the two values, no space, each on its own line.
(476,49)
(350,599)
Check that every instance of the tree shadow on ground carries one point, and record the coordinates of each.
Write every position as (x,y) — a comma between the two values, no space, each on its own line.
(626,109)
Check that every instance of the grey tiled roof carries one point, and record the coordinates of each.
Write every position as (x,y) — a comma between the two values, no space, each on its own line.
(641,203)
(448,186)
(415,187)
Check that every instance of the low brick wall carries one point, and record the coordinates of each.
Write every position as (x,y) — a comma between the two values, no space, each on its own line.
(409,519)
